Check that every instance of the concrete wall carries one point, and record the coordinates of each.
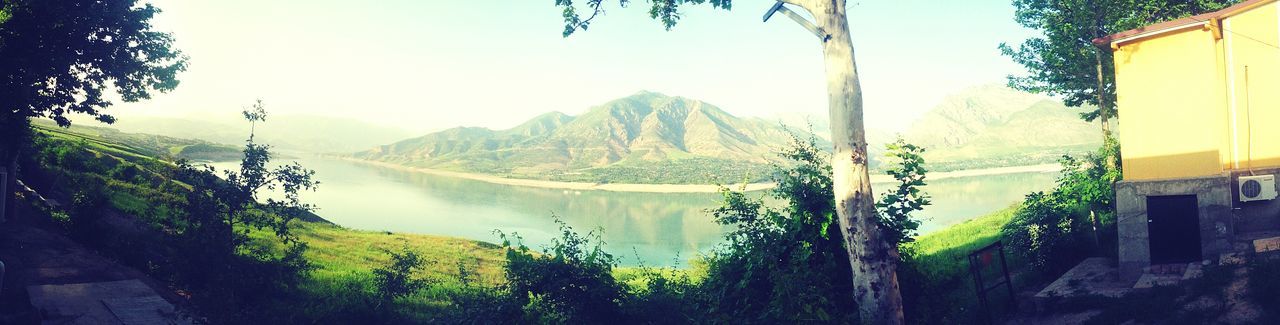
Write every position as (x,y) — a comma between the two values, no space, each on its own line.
(1213,196)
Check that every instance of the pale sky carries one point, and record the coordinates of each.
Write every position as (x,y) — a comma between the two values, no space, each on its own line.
(426,65)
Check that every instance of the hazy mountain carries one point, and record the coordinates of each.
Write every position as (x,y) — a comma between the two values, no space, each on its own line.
(316,134)
(994,126)
(646,137)
(982,127)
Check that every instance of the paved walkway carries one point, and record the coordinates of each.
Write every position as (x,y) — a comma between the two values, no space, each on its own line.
(51,279)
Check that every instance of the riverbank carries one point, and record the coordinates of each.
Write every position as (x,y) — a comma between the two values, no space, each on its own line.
(679,188)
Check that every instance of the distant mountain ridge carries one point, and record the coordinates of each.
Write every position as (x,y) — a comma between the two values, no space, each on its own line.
(995,126)
(308,133)
(645,137)
(984,127)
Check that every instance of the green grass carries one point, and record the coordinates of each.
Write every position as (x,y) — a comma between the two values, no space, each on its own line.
(340,251)
(938,276)
(946,249)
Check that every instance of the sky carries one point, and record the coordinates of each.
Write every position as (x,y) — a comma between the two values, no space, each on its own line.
(426,65)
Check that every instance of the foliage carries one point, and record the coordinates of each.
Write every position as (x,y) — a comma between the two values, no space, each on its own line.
(896,206)
(665,11)
(1063,61)
(1055,230)
(658,297)
(396,280)
(571,283)
(240,279)
(62,57)
(783,264)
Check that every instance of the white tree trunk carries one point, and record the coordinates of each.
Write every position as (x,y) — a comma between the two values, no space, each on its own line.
(874,261)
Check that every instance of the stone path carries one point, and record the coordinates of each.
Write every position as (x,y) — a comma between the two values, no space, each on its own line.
(111,302)
(51,279)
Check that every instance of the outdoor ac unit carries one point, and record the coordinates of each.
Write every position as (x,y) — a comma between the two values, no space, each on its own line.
(1257,188)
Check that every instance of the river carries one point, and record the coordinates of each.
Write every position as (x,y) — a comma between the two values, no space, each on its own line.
(656,229)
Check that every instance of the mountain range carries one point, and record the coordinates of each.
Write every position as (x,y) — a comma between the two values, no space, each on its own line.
(646,137)
(650,137)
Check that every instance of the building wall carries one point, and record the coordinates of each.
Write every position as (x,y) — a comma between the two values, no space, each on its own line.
(1170,100)
(1251,40)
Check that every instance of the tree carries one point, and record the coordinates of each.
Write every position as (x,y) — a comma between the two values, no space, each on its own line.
(872,258)
(62,57)
(897,206)
(1064,62)
(219,214)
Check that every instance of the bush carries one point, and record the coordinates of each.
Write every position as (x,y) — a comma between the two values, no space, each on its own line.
(571,283)
(782,265)
(1057,229)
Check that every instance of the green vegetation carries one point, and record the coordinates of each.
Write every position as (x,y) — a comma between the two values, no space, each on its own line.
(466,280)
(140,146)
(158,235)
(63,58)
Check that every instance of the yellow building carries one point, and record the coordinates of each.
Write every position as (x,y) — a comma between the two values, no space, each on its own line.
(1199,106)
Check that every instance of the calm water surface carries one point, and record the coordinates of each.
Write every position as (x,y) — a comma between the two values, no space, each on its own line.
(649,228)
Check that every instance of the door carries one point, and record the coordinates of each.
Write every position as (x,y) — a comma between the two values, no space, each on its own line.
(1173,228)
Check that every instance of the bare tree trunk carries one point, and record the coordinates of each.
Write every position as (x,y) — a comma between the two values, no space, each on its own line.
(1103,107)
(874,261)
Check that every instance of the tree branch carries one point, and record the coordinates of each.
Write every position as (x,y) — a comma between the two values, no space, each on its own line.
(809,6)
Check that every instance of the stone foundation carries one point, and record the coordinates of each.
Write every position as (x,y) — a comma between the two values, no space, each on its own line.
(1213,197)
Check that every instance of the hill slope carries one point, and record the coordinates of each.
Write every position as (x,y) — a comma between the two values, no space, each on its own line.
(647,137)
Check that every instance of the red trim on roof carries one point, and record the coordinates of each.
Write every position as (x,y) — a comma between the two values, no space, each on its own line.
(1105,41)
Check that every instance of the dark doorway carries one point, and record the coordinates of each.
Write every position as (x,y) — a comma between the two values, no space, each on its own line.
(1173,227)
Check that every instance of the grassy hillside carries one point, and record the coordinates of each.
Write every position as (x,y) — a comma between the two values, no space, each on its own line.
(644,138)
(137,145)
(135,181)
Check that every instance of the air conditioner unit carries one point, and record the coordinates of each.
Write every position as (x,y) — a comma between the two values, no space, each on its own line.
(1257,188)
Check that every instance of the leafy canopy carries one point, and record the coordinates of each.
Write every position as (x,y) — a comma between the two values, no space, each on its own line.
(665,11)
(62,56)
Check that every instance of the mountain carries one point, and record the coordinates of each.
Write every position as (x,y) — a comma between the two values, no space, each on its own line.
(982,127)
(646,137)
(995,126)
(308,133)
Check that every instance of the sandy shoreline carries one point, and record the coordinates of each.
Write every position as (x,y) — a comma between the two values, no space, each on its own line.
(681,188)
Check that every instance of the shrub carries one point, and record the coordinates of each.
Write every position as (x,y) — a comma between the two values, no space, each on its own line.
(1056,229)
(571,283)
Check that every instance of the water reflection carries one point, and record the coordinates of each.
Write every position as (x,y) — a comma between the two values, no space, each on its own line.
(658,228)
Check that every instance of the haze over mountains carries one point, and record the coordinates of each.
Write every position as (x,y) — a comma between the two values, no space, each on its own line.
(651,137)
(306,133)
